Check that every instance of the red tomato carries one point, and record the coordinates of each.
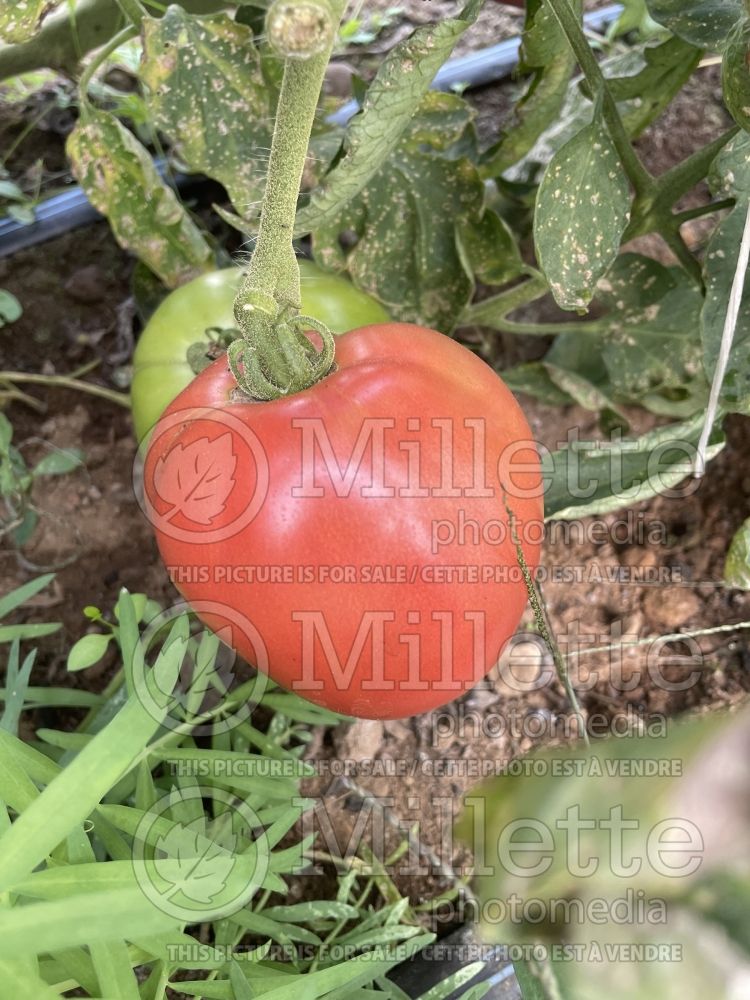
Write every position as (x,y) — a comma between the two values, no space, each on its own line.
(353,538)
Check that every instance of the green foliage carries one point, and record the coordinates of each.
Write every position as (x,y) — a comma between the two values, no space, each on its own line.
(146,216)
(392,98)
(577,863)
(595,478)
(15,599)
(550,62)
(10,308)
(19,19)
(406,255)
(737,566)
(420,215)
(207,92)
(705,23)
(359,31)
(131,836)
(20,516)
(582,209)
(736,73)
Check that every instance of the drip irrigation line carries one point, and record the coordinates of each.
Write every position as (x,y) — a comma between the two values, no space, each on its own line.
(71,209)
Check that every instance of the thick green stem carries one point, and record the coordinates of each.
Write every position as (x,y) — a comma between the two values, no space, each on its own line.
(273,267)
(639,177)
(114,43)
(492,312)
(700,210)
(673,238)
(275,357)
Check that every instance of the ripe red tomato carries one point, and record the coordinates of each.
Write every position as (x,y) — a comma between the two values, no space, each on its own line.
(353,537)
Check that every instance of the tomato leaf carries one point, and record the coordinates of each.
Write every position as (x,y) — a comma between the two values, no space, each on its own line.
(19,19)
(533,378)
(406,249)
(645,348)
(597,478)
(645,93)
(705,23)
(735,73)
(730,177)
(121,181)
(401,82)
(652,348)
(492,253)
(643,80)
(546,54)
(584,392)
(737,565)
(207,92)
(582,209)
(197,478)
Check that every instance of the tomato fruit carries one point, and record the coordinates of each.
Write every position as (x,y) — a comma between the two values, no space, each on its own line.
(161,369)
(353,538)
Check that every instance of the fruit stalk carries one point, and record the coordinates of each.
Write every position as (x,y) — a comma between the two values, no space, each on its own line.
(274,357)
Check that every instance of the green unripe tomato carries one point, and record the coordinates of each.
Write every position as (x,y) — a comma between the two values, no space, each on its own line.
(161,369)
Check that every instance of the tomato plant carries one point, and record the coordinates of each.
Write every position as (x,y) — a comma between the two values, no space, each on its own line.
(198,311)
(343,520)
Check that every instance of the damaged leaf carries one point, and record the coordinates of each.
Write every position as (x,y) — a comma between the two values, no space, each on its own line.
(207,92)
(19,19)
(398,238)
(121,181)
(582,209)
(401,82)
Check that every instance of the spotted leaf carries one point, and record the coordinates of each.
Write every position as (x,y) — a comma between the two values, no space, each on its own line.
(705,23)
(121,181)
(207,92)
(582,209)
(19,19)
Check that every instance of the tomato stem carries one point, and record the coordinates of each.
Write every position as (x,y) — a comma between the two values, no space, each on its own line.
(274,357)
(639,177)
(99,59)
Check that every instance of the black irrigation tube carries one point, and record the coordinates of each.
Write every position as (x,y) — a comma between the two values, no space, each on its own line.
(71,209)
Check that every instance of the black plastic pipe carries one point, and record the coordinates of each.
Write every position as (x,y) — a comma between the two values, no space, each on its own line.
(71,209)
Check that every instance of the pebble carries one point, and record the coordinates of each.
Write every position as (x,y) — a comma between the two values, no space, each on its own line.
(671,607)
(87,284)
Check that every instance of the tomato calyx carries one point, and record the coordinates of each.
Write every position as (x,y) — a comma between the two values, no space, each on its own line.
(274,357)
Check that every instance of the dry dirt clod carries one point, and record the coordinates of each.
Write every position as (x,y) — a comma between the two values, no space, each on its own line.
(672,607)
(87,284)
(362,740)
